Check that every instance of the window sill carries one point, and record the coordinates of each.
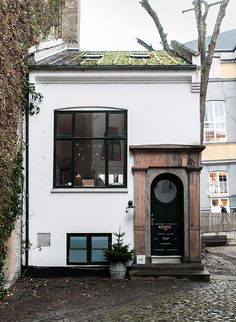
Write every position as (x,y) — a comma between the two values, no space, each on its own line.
(89,190)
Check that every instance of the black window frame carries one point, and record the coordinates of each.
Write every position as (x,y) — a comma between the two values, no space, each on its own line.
(106,139)
(88,247)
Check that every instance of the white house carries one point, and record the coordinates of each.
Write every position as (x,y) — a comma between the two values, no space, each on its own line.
(115,129)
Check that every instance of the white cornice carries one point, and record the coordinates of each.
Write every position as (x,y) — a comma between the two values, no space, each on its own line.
(113,77)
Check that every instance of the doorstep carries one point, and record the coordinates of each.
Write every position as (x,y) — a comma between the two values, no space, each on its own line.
(166,259)
(191,271)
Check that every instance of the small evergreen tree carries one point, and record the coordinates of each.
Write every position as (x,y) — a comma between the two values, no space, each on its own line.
(119,252)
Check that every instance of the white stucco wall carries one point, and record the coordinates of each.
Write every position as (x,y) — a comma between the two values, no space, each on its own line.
(158,113)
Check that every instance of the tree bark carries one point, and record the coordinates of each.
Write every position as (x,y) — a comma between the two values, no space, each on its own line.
(206,59)
(144,44)
(146,5)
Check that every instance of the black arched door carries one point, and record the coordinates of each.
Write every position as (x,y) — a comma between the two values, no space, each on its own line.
(167,216)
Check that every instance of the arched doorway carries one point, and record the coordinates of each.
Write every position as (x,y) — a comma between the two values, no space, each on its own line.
(167,218)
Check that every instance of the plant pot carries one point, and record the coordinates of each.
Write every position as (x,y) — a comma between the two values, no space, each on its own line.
(117,270)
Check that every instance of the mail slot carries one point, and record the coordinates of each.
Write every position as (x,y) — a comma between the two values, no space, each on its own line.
(165,227)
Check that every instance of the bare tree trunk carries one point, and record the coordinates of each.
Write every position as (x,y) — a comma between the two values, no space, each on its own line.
(146,5)
(206,59)
(201,8)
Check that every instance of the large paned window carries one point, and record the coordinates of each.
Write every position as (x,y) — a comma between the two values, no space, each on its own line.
(214,125)
(85,249)
(218,184)
(90,149)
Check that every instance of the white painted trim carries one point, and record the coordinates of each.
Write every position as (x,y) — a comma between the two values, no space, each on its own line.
(81,190)
(88,77)
(220,161)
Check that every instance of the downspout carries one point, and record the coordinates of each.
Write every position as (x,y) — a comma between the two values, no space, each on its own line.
(26,182)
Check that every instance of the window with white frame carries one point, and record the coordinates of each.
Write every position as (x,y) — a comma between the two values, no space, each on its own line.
(218,183)
(214,125)
(217,202)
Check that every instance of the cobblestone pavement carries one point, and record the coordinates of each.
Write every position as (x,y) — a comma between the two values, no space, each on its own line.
(104,299)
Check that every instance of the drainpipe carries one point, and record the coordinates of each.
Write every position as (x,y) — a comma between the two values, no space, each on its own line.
(26,182)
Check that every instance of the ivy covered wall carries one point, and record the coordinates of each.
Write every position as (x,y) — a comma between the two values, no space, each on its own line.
(24,23)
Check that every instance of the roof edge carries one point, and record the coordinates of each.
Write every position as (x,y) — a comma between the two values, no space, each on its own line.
(184,51)
(111,67)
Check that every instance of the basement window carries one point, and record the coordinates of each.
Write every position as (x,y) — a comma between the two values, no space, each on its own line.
(87,249)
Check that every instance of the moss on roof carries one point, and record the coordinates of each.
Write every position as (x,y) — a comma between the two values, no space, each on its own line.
(119,58)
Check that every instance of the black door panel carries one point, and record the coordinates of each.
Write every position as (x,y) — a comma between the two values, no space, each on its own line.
(167,216)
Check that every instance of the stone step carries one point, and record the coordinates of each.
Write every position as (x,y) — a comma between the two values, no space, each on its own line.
(179,266)
(193,274)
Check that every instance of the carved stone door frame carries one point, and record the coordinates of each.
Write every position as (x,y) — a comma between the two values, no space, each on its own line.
(182,161)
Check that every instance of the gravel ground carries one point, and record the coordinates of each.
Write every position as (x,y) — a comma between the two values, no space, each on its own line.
(104,299)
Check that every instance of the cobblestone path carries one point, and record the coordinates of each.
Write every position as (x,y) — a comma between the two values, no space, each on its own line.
(103,299)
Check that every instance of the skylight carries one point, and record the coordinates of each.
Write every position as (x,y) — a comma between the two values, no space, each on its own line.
(139,56)
(93,56)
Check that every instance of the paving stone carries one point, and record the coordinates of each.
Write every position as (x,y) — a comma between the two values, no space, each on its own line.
(105,300)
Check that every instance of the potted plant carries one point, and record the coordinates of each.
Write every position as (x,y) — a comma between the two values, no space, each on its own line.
(118,255)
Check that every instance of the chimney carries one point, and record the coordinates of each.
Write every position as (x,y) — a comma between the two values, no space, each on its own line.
(71,21)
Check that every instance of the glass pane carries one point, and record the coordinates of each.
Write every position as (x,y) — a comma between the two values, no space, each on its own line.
(100,242)
(220,125)
(90,124)
(64,124)
(219,111)
(213,188)
(116,124)
(64,163)
(215,202)
(116,162)
(220,135)
(213,176)
(209,112)
(78,242)
(223,187)
(78,256)
(90,163)
(224,202)
(165,191)
(98,256)
(209,135)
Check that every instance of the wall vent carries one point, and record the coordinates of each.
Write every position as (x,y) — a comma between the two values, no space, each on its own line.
(44,239)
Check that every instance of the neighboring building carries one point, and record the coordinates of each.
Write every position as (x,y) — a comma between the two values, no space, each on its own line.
(218,177)
(114,129)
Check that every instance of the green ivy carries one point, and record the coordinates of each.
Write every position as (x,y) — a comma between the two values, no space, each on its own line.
(14,209)
(24,23)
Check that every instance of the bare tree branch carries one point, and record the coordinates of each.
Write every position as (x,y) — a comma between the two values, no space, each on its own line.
(201,10)
(209,5)
(144,44)
(214,3)
(146,5)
